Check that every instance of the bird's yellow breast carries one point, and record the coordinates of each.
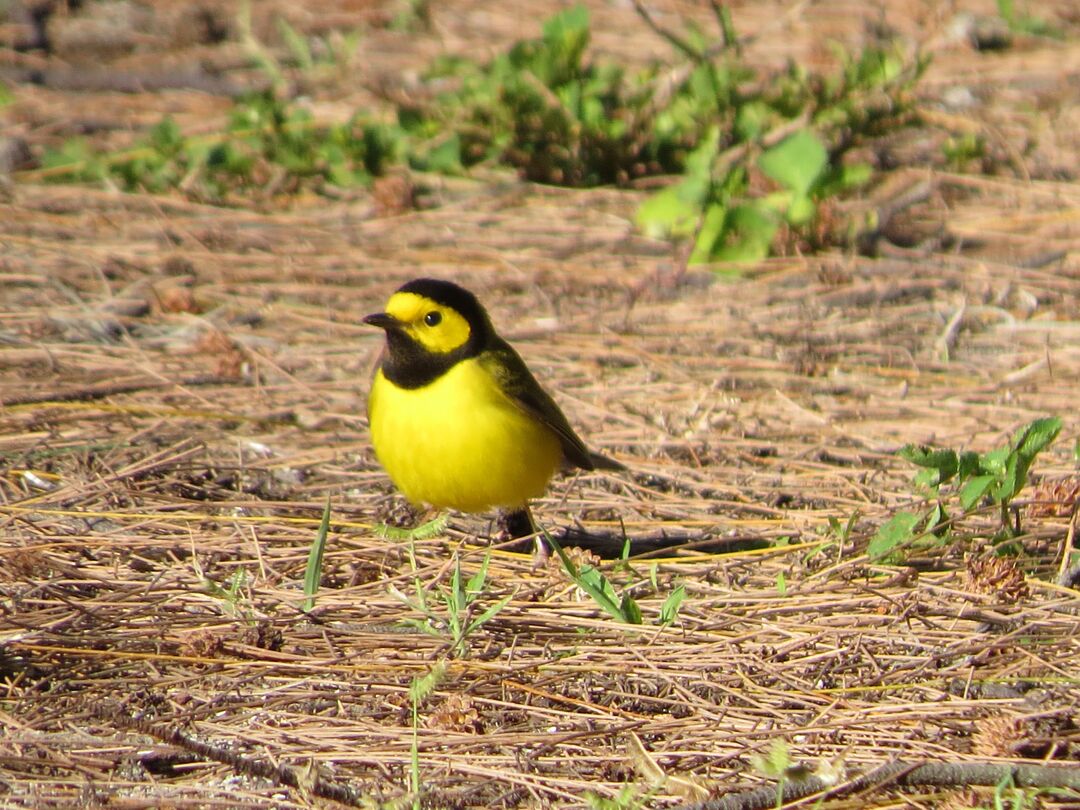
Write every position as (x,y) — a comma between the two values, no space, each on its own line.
(460,442)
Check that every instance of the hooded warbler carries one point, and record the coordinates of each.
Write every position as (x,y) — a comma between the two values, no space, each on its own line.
(457,419)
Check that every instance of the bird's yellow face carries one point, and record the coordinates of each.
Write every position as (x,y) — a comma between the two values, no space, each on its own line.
(437,328)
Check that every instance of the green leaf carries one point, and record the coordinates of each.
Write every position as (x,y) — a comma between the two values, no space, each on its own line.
(710,235)
(994,462)
(899,529)
(313,571)
(566,28)
(1036,436)
(974,490)
(475,584)
(669,611)
(668,213)
(796,162)
(594,583)
(628,607)
(677,209)
(752,119)
(801,210)
(425,531)
(968,465)
(747,234)
(938,466)
(944,461)
(444,157)
(490,612)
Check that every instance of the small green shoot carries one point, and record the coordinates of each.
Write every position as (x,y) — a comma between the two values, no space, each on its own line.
(629,797)
(623,608)
(425,531)
(1007,796)
(963,151)
(669,611)
(313,569)
(840,531)
(455,618)
(235,600)
(599,587)
(419,690)
(777,764)
(1022,23)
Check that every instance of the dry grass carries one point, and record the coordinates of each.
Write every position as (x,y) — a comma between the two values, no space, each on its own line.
(182,386)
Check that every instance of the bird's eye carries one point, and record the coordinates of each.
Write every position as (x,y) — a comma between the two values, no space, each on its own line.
(433,318)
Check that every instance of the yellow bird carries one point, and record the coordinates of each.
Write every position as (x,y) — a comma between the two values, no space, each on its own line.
(457,419)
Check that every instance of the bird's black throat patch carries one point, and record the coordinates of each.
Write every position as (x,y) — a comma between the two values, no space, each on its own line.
(407,364)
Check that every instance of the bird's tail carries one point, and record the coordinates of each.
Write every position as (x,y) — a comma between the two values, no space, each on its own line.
(602,462)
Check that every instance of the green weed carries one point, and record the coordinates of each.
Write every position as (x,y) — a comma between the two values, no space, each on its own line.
(997,476)
(313,569)
(623,608)
(1020,22)
(758,155)
(628,798)
(419,690)
(270,147)
(451,612)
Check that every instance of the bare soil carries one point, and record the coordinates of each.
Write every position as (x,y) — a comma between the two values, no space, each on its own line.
(182,386)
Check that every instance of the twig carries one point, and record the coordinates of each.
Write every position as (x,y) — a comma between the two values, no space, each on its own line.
(1067,576)
(903,774)
(108,389)
(310,782)
(677,41)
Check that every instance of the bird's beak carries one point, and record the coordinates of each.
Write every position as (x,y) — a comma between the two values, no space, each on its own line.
(383,321)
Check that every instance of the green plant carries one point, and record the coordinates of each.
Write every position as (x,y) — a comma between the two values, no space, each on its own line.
(313,569)
(773,156)
(270,146)
(777,764)
(759,156)
(234,597)
(624,608)
(998,476)
(450,612)
(961,151)
(425,531)
(628,798)
(543,108)
(1007,796)
(419,690)
(1023,23)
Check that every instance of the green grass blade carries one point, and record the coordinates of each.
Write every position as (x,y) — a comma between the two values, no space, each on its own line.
(313,571)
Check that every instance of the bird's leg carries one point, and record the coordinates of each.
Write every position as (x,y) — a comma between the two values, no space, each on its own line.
(519,523)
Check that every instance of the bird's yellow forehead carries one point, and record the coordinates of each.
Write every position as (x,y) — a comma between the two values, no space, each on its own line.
(408,307)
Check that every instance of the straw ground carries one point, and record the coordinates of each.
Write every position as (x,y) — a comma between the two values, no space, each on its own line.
(182,386)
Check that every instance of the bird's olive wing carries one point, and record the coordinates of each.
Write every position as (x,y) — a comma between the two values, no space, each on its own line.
(515,379)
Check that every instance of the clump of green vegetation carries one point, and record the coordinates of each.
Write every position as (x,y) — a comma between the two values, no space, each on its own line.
(758,155)
(997,477)
(269,145)
(547,111)
(623,608)
(1021,22)
(964,150)
(452,613)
